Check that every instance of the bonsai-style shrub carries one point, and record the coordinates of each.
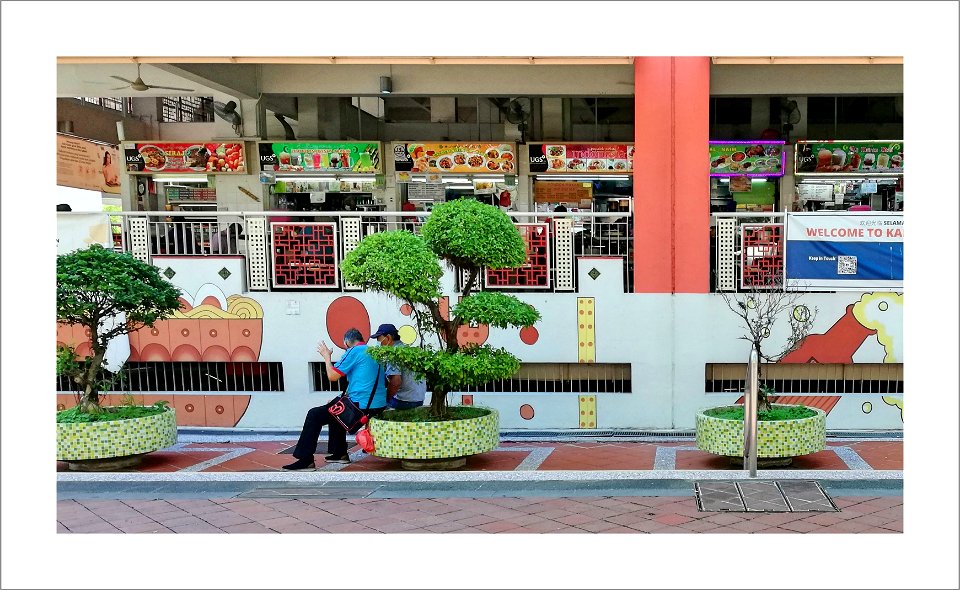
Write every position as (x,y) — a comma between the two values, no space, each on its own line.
(95,286)
(759,309)
(469,236)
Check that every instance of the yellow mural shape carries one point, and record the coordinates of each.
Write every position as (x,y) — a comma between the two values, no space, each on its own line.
(588,411)
(586,333)
(883,312)
(238,307)
(408,334)
(894,401)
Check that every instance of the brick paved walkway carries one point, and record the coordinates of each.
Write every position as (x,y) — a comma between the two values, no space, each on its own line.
(620,514)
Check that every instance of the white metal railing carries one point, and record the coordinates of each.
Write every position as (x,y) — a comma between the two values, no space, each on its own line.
(737,262)
(227,233)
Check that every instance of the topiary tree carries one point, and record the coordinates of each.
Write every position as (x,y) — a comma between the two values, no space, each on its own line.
(94,286)
(470,236)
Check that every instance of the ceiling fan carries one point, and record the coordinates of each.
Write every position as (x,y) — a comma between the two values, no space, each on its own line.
(139,85)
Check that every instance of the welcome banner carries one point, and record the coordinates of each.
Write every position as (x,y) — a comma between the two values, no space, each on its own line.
(844,251)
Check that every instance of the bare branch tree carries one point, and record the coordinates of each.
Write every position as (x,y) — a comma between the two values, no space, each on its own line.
(759,308)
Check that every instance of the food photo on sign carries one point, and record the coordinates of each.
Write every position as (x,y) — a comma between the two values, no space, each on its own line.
(460,157)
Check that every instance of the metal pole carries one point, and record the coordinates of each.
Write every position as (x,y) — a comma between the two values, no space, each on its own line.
(750,414)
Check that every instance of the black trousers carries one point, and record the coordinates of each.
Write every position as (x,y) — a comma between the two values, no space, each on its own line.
(314,423)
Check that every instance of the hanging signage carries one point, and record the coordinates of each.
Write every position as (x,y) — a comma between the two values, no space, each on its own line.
(300,156)
(592,158)
(849,157)
(562,192)
(740,184)
(495,158)
(185,158)
(425,190)
(746,158)
(815,192)
(87,165)
(838,251)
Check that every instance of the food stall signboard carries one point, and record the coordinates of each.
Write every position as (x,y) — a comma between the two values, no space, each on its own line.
(87,165)
(301,156)
(844,251)
(185,158)
(746,158)
(593,158)
(495,158)
(562,192)
(849,157)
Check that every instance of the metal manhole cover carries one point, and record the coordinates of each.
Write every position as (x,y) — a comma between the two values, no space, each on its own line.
(762,496)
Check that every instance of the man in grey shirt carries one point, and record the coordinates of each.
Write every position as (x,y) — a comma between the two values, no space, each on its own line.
(404,390)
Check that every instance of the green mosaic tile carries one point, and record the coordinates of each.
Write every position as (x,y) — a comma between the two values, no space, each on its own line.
(781,438)
(116,438)
(436,440)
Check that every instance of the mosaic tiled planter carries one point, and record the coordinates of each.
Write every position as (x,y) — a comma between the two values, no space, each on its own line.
(775,438)
(452,439)
(133,437)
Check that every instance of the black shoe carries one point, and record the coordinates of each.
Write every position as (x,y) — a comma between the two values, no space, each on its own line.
(337,458)
(301,465)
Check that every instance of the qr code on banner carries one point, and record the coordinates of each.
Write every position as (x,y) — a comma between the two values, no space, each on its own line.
(846,265)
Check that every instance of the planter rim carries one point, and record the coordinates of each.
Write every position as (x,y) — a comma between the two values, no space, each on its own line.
(489,411)
(166,409)
(817,411)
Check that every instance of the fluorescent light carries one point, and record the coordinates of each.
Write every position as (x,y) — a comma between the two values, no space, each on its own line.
(325,178)
(757,180)
(724,180)
(583,177)
(180,178)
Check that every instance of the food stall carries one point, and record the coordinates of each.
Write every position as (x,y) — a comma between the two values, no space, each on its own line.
(431,173)
(321,176)
(845,175)
(745,175)
(181,176)
(603,172)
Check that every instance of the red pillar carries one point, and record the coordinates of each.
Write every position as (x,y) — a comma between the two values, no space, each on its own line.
(671,184)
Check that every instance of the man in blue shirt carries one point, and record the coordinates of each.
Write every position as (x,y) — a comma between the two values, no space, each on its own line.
(365,378)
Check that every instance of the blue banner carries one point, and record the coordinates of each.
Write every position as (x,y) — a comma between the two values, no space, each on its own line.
(844,251)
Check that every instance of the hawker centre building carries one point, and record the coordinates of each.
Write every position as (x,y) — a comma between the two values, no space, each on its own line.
(682,180)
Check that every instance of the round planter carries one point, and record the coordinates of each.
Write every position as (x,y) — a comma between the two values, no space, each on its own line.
(775,439)
(436,445)
(114,444)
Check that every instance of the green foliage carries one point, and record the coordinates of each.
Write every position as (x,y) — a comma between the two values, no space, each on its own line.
(447,371)
(396,262)
(97,283)
(774,413)
(423,414)
(94,286)
(125,412)
(471,234)
(495,309)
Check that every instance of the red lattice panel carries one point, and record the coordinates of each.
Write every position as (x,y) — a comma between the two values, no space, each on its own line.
(762,255)
(304,255)
(535,274)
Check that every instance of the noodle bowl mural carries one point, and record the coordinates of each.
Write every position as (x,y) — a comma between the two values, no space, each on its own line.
(217,329)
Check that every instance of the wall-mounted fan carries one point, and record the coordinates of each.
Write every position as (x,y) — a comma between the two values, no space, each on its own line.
(140,86)
(789,116)
(518,111)
(228,112)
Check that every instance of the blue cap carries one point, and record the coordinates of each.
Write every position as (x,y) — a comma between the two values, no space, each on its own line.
(386,330)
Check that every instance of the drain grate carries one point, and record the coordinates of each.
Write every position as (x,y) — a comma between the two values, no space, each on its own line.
(320,450)
(762,496)
(318,492)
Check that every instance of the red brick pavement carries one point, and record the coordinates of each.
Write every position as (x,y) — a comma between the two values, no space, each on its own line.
(564,456)
(641,514)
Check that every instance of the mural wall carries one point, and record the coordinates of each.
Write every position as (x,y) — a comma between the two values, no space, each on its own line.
(666,339)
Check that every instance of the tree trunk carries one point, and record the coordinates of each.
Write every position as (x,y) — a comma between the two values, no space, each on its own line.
(438,403)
